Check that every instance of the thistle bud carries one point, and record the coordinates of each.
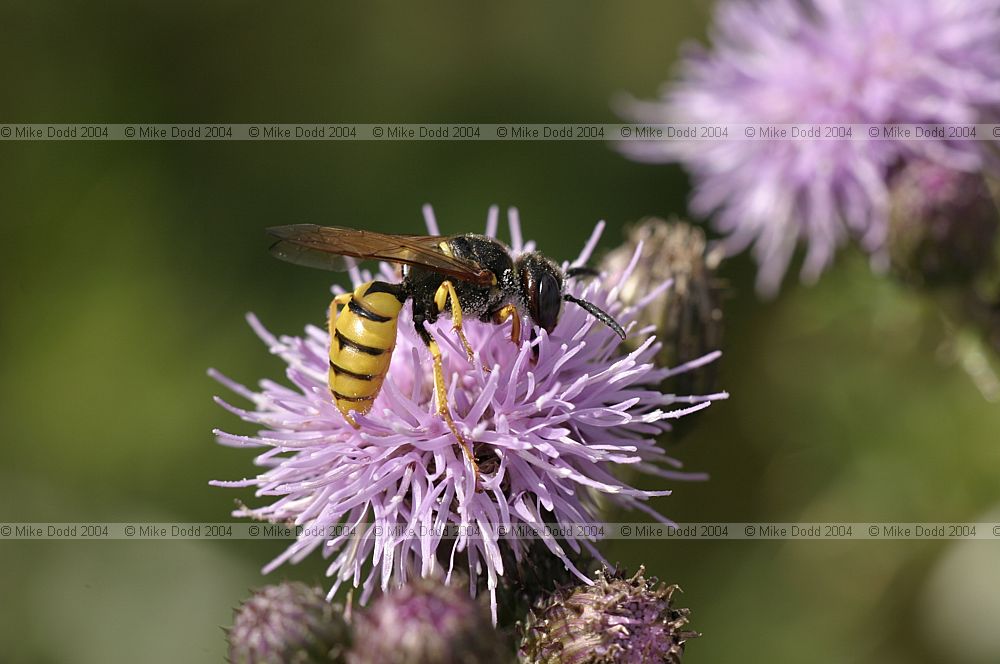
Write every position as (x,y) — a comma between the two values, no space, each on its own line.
(688,315)
(617,619)
(289,622)
(943,228)
(426,622)
(535,574)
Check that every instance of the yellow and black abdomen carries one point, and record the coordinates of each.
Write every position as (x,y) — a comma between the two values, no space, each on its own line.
(362,337)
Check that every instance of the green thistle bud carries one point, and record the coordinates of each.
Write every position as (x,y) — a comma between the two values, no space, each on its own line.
(618,619)
(426,622)
(688,315)
(288,623)
(536,574)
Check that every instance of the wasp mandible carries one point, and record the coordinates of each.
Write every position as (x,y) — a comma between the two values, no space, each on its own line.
(464,276)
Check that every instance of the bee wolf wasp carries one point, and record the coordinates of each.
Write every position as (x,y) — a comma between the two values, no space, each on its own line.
(463,276)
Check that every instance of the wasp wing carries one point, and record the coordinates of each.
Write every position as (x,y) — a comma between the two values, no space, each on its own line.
(326,247)
(289,248)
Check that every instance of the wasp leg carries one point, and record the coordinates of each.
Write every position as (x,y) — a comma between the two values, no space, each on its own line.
(507,312)
(441,392)
(446,292)
(339,301)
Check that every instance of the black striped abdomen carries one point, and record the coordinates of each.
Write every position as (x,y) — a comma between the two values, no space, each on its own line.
(361,342)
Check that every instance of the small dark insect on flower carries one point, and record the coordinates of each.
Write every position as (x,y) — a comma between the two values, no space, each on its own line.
(289,622)
(687,316)
(620,619)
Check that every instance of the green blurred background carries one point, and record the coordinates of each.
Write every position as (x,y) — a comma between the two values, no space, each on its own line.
(129,267)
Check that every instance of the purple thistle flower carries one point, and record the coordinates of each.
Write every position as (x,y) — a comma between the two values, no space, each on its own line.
(824,61)
(547,435)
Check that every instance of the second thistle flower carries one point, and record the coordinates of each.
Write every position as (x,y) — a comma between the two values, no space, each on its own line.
(805,62)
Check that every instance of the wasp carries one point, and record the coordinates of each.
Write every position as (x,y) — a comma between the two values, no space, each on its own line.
(461,276)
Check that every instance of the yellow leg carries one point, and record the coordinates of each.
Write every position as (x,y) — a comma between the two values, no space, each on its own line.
(340,301)
(510,311)
(446,292)
(441,392)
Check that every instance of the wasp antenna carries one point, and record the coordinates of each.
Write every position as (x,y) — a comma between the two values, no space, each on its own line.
(582,271)
(597,313)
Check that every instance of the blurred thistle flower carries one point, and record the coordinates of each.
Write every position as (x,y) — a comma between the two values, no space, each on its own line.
(943,227)
(426,622)
(688,315)
(824,61)
(617,619)
(288,623)
(547,435)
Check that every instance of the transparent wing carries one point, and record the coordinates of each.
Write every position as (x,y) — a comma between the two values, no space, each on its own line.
(332,247)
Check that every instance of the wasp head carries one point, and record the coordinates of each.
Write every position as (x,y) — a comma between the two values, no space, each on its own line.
(542,285)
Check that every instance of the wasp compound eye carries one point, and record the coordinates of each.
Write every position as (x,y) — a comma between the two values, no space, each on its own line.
(549,302)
